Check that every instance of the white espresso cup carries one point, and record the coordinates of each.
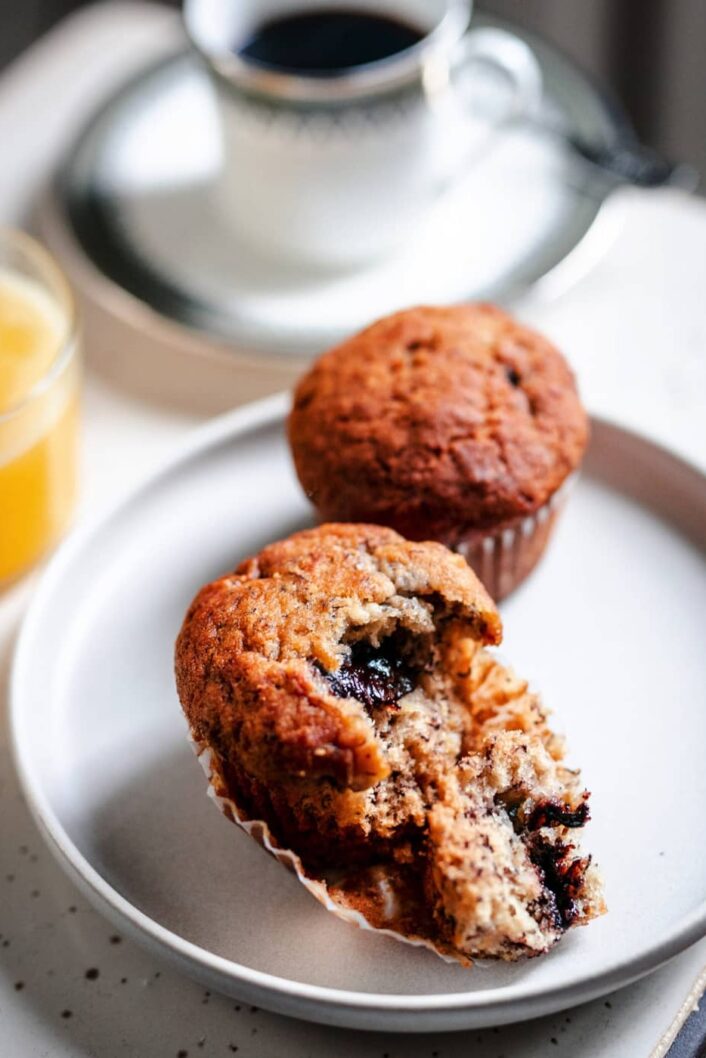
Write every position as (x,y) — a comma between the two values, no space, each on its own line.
(332,171)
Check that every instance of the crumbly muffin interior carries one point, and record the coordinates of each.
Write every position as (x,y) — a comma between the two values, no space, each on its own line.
(476,812)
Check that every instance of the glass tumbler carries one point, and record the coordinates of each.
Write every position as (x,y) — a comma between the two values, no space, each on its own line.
(39,403)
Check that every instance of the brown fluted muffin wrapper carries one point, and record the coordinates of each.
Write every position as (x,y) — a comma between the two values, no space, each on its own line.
(503,557)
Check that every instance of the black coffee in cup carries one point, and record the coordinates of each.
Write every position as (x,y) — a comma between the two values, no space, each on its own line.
(327,41)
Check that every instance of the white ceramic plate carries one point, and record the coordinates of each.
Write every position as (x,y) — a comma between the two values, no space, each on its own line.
(610,628)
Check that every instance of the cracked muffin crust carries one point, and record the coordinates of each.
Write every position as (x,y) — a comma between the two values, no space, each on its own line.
(341,682)
(453,424)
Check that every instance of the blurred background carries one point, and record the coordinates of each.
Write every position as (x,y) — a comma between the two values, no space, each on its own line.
(650,53)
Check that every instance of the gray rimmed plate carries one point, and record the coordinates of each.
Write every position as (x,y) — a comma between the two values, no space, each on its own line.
(610,628)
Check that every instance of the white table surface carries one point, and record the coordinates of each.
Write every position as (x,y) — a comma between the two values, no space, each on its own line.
(635,331)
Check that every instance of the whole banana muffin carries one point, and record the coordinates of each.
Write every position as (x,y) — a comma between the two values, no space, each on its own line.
(456,424)
(339,688)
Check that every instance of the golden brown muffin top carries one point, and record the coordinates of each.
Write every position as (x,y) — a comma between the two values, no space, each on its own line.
(255,645)
(437,420)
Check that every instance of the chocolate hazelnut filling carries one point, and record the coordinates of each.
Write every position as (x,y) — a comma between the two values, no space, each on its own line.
(376,676)
(555,814)
(562,875)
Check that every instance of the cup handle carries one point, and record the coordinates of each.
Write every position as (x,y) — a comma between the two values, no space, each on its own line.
(503,52)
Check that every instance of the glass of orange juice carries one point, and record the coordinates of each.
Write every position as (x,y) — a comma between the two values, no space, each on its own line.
(39,384)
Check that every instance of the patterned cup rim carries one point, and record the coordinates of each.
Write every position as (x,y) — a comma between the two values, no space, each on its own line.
(427,61)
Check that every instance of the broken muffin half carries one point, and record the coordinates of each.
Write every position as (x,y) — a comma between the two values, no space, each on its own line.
(339,688)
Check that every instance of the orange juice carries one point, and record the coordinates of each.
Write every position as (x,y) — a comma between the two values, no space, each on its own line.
(38,414)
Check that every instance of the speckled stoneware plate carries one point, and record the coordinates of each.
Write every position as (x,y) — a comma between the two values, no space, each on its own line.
(610,628)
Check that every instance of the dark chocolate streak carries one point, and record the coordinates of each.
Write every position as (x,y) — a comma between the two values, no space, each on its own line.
(374,675)
(562,876)
(555,814)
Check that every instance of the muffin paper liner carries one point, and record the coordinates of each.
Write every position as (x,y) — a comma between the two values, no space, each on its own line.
(260,831)
(504,557)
